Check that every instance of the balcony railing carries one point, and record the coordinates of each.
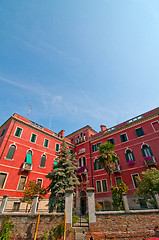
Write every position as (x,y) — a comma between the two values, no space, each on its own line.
(150,161)
(26,167)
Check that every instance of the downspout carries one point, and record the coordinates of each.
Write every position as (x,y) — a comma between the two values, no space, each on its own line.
(91,164)
(7,140)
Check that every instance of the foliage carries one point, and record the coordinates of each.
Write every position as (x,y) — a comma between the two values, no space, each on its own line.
(107,158)
(45,236)
(52,234)
(6,228)
(117,195)
(87,218)
(31,189)
(60,229)
(98,206)
(74,219)
(62,177)
(148,184)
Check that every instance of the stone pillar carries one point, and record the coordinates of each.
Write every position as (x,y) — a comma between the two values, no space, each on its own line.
(125,202)
(156,198)
(77,201)
(91,205)
(3,204)
(68,206)
(35,203)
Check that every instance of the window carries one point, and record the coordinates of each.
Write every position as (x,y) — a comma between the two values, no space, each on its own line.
(146,151)
(123,137)
(11,152)
(28,158)
(134,178)
(3,131)
(43,159)
(104,185)
(84,161)
(129,156)
(22,181)
(46,143)
(95,147)
(99,188)
(71,151)
(33,138)
(57,147)
(18,132)
(155,126)
(3,177)
(79,162)
(118,181)
(39,181)
(97,165)
(101,185)
(16,206)
(111,140)
(139,132)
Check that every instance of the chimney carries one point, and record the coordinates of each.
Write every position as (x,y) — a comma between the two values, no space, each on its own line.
(103,128)
(61,133)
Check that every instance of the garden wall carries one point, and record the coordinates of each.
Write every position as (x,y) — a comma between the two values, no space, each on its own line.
(25,225)
(134,225)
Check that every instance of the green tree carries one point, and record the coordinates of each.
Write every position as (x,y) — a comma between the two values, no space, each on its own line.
(31,188)
(108,158)
(62,177)
(117,195)
(148,184)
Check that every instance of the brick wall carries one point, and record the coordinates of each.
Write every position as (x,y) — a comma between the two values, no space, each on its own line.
(24,225)
(124,226)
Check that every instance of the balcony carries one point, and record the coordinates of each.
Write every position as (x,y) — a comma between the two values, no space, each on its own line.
(26,167)
(117,169)
(150,161)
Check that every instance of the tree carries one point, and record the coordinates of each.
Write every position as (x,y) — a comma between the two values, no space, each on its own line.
(62,177)
(148,184)
(108,158)
(117,195)
(31,188)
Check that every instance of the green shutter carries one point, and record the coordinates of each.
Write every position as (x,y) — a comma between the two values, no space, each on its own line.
(143,153)
(150,151)
(43,158)
(11,152)
(126,156)
(29,158)
(57,147)
(95,165)
(133,157)
(55,165)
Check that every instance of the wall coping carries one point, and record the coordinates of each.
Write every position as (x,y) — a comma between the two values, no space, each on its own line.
(129,212)
(31,215)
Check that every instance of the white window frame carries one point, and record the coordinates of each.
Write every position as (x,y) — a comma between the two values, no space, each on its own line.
(55,147)
(133,179)
(153,126)
(41,181)
(19,182)
(16,130)
(44,143)
(126,136)
(116,180)
(5,179)
(35,139)
(101,185)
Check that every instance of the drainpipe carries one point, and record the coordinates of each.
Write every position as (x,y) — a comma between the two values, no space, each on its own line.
(91,164)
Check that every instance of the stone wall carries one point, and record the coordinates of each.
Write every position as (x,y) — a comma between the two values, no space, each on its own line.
(25,225)
(134,225)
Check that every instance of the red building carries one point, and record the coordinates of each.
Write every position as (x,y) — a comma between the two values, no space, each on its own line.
(28,151)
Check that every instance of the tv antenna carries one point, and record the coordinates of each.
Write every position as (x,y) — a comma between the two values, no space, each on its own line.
(50,121)
(29,110)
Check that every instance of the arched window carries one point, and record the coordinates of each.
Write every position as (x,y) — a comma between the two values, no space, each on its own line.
(84,161)
(146,151)
(11,152)
(29,157)
(43,159)
(129,156)
(79,162)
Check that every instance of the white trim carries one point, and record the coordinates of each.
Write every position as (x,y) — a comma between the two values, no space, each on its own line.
(35,138)
(41,181)
(44,142)
(116,181)
(100,180)
(126,136)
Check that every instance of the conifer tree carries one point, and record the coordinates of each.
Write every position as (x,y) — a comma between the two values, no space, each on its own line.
(62,177)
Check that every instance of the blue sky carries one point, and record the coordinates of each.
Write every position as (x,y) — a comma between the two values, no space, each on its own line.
(78,63)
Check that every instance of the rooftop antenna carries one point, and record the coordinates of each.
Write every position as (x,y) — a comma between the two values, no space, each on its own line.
(50,121)
(29,110)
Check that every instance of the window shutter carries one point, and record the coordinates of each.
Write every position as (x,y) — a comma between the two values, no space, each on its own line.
(43,158)
(95,165)
(126,156)
(11,152)
(133,157)
(143,153)
(29,158)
